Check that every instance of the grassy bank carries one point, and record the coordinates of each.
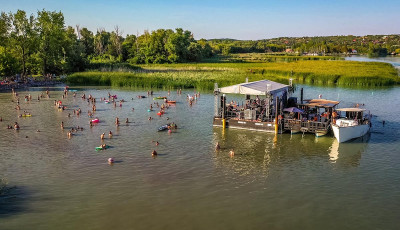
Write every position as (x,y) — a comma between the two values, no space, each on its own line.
(204,75)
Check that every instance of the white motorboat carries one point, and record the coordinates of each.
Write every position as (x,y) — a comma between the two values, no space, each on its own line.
(353,125)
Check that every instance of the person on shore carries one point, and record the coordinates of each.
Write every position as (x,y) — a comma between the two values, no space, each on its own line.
(110,134)
(102,136)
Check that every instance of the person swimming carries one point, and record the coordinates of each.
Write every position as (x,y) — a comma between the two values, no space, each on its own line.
(127,120)
(110,134)
(16,126)
(110,160)
(157,143)
(232,153)
(154,153)
(217,146)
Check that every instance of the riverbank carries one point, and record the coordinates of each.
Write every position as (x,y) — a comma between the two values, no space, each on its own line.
(15,85)
(204,75)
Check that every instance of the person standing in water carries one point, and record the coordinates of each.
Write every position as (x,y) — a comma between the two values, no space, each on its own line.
(102,136)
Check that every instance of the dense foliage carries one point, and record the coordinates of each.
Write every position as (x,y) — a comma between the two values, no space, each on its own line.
(41,44)
(373,45)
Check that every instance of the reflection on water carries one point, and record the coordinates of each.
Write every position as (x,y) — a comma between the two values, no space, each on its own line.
(348,153)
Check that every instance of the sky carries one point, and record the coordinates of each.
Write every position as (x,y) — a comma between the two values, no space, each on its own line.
(244,19)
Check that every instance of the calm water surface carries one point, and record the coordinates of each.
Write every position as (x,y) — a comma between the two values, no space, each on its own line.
(297,182)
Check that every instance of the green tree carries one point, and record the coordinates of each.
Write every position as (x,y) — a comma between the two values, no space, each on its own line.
(101,41)
(24,37)
(87,40)
(51,39)
(8,63)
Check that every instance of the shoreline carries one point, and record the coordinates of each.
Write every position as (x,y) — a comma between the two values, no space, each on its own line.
(28,85)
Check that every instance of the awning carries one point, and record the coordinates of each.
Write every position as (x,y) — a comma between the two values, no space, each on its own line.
(293,110)
(320,103)
(351,110)
(255,88)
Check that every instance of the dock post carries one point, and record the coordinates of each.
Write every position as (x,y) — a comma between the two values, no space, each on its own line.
(223,111)
(276,116)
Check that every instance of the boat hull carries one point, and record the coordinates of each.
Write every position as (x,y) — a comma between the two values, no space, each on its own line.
(344,134)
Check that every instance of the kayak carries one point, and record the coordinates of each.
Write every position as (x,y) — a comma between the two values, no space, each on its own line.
(141,96)
(100,148)
(171,102)
(149,110)
(26,115)
(160,113)
(95,120)
(73,90)
(163,128)
(107,102)
(155,98)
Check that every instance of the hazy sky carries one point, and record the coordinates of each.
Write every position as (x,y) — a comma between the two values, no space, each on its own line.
(244,19)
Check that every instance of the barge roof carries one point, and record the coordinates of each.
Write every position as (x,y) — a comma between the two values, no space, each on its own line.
(255,88)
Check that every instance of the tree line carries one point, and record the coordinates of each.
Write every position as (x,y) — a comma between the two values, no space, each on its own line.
(373,45)
(41,44)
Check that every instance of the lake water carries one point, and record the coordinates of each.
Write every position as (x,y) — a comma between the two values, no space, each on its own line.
(297,182)
(394,60)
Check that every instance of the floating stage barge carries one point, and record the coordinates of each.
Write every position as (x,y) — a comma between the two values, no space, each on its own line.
(268,108)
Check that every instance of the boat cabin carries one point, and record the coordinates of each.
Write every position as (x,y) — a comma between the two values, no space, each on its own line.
(350,117)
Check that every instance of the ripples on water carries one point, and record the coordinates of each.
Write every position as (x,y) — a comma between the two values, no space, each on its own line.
(292,182)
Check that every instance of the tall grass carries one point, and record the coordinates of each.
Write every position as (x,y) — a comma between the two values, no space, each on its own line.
(204,75)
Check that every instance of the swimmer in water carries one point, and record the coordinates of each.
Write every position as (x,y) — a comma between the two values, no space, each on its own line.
(127,120)
(110,160)
(150,118)
(232,153)
(217,146)
(69,134)
(102,136)
(110,134)
(157,143)
(62,125)
(154,153)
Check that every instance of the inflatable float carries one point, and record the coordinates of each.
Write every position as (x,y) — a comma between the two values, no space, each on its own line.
(156,98)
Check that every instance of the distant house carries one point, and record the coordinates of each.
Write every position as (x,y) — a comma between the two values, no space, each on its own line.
(289,51)
(353,51)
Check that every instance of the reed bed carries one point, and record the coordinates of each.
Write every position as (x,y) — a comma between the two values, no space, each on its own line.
(204,75)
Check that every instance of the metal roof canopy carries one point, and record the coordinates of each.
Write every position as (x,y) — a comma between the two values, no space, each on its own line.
(320,103)
(255,88)
(351,110)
